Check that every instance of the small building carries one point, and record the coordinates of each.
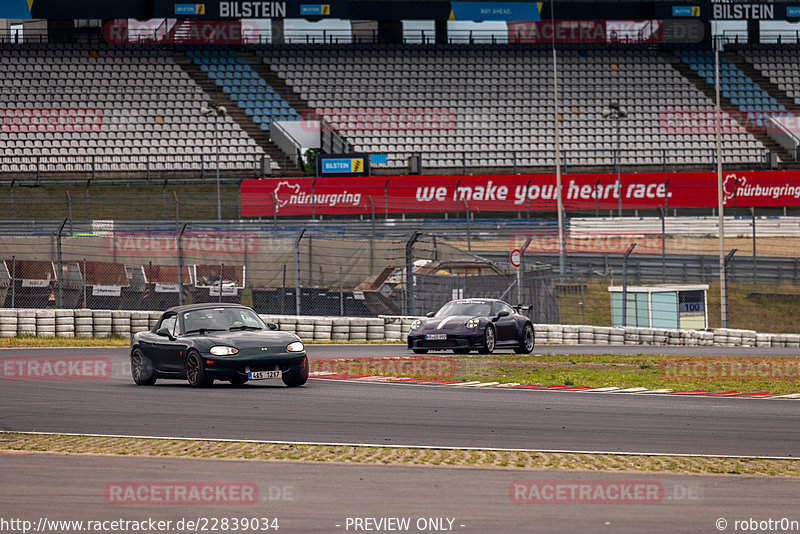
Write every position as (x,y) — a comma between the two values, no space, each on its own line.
(682,307)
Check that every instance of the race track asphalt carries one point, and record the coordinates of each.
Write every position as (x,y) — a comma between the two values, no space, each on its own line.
(347,412)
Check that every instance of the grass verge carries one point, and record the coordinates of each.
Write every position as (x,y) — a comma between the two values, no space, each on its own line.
(236,450)
(620,370)
(676,373)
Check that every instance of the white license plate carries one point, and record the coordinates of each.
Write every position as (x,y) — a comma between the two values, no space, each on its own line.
(434,337)
(262,375)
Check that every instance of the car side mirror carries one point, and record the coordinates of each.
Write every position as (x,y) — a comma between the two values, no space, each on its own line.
(272,326)
(500,315)
(430,314)
(164,332)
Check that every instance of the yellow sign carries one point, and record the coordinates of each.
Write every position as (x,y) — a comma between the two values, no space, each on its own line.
(358,165)
(695,11)
(326,9)
(201,9)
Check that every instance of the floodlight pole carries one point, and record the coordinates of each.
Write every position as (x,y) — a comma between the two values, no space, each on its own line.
(723,286)
(409,274)
(559,202)
(297,272)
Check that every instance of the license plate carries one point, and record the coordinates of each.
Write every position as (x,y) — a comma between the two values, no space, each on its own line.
(434,337)
(262,375)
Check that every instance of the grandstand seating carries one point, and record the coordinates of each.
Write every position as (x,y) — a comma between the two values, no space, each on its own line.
(734,84)
(150,113)
(780,64)
(239,81)
(502,99)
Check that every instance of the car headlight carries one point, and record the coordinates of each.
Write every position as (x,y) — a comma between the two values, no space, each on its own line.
(415,324)
(473,323)
(296,346)
(223,351)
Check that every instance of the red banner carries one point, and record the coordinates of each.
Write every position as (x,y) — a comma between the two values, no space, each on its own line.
(513,192)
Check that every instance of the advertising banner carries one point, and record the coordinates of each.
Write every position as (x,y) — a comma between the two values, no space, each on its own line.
(534,192)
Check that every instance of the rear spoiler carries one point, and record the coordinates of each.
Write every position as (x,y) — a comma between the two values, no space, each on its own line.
(523,307)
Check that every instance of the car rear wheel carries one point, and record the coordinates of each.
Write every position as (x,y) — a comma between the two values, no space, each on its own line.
(298,375)
(195,372)
(527,342)
(489,341)
(142,369)
(420,351)
(238,380)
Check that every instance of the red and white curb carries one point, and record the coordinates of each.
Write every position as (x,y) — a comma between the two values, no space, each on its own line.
(553,387)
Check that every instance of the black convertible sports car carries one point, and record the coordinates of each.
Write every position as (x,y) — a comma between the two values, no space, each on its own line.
(203,342)
(472,324)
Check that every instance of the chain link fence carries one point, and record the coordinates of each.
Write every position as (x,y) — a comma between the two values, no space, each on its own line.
(106,265)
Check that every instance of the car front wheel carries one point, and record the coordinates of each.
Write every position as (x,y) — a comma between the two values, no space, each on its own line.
(489,341)
(527,341)
(142,369)
(298,375)
(195,372)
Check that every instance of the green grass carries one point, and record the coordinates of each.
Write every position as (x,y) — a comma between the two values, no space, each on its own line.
(602,370)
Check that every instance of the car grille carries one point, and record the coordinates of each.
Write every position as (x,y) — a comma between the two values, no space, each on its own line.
(266,366)
(438,343)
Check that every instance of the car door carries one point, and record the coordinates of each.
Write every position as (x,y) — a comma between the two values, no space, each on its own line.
(506,327)
(163,348)
(173,352)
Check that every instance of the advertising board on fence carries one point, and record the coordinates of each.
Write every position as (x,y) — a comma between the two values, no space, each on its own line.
(521,192)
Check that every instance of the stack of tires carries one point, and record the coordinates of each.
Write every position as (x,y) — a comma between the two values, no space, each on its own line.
(601,334)
(140,322)
(287,324)
(616,335)
(340,329)
(393,329)
(570,334)
(323,328)
(101,320)
(121,323)
(375,329)
(45,323)
(65,323)
(586,335)
(358,329)
(26,322)
(8,322)
(305,328)
(83,323)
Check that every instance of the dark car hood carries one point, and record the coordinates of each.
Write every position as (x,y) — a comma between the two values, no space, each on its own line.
(451,322)
(251,339)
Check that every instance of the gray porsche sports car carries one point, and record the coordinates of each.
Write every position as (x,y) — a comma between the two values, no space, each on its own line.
(473,324)
(204,342)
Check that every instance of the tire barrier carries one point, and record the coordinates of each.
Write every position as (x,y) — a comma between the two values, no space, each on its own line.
(124,323)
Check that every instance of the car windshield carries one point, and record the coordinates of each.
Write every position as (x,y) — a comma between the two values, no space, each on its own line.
(471,308)
(216,319)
